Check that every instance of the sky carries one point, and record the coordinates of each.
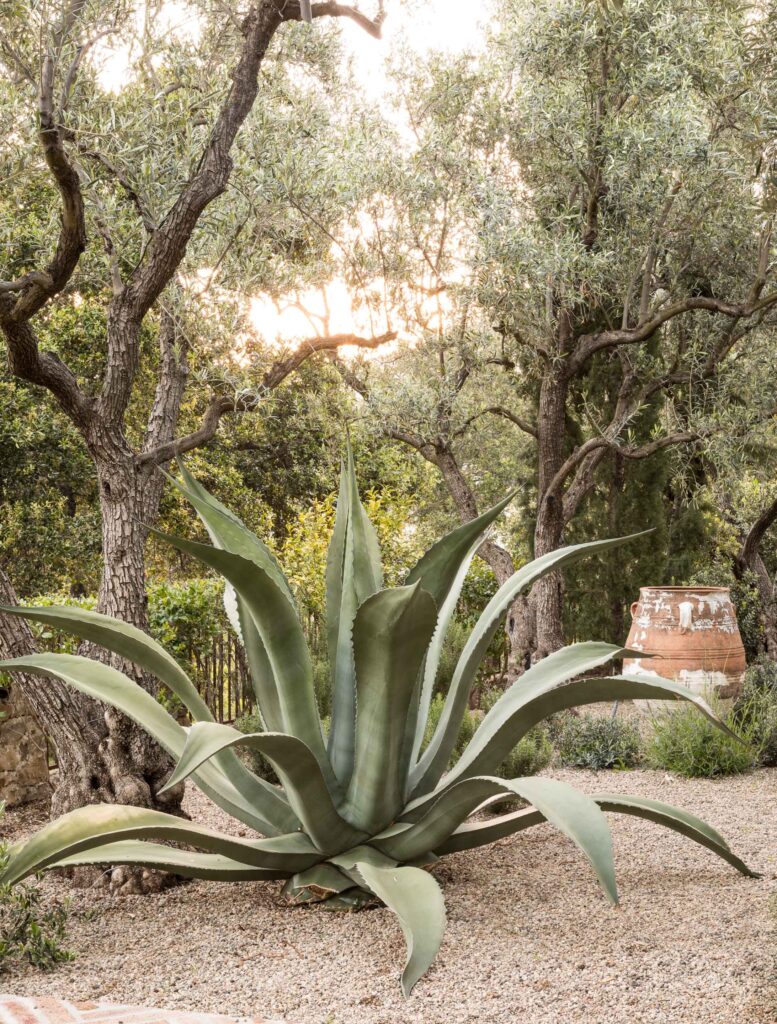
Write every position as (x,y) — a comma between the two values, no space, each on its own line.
(447,25)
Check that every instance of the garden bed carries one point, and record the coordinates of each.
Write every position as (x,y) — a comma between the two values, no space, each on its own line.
(530,938)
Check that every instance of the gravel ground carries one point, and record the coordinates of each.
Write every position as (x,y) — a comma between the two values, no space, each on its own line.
(530,938)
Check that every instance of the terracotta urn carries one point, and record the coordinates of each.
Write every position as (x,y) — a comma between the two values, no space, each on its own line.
(692,633)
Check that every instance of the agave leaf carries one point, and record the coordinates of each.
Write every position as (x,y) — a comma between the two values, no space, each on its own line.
(472,834)
(353,573)
(266,809)
(227,531)
(316,884)
(133,644)
(347,860)
(521,712)
(442,571)
(493,737)
(390,635)
(297,768)
(436,756)
(94,826)
(572,812)
(136,646)
(678,820)
(419,716)
(168,858)
(415,897)
(232,611)
(125,640)
(283,639)
(438,570)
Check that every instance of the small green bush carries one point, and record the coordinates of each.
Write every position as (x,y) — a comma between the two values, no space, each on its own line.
(322,684)
(531,756)
(686,743)
(469,724)
(30,932)
(597,742)
(755,711)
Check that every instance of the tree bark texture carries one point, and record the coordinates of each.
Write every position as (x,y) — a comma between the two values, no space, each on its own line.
(547,596)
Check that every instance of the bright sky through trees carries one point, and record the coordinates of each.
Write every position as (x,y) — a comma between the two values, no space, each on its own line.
(423,25)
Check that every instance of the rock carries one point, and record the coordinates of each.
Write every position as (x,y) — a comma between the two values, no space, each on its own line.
(24,770)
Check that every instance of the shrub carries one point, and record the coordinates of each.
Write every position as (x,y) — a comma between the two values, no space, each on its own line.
(755,711)
(469,723)
(690,745)
(29,931)
(598,742)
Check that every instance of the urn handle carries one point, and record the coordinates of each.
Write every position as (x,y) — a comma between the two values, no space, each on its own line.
(686,615)
(634,606)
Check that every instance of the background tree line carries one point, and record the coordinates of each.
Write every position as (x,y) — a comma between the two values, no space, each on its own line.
(561,255)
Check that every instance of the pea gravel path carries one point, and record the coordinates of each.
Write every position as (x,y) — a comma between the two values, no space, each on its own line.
(530,938)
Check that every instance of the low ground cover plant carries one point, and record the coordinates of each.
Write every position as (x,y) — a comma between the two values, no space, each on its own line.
(598,742)
(367,806)
(687,745)
(755,711)
(30,931)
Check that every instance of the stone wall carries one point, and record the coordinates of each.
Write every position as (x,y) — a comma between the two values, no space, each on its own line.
(24,773)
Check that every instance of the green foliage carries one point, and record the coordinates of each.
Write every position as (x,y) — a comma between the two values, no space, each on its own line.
(597,742)
(469,723)
(187,615)
(392,779)
(32,930)
(530,756)
(686,745)
(755,710)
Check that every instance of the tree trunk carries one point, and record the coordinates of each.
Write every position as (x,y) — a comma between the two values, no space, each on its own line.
(547,594)
(104,757)
(749,558)
(134,766)
(519,623)
(766,590)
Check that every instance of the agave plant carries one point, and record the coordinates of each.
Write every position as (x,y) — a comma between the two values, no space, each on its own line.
(363,813)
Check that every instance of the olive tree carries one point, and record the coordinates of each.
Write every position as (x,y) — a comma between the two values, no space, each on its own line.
(155,203)
(592,196)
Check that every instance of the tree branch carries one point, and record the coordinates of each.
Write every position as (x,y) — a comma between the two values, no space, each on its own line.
(499,410)
(130,191)
(40,287)
(167,245)
(220,405)
(593,444)
(27,361)
(589,344)
(283,367)
(329,9)
(752,542)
